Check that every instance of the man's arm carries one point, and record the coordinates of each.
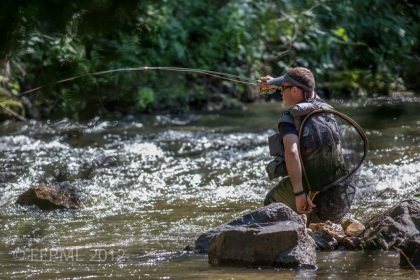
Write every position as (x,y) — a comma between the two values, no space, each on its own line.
(294,169)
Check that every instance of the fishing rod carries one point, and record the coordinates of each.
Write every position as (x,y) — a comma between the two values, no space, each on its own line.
(215,74)
(219,75)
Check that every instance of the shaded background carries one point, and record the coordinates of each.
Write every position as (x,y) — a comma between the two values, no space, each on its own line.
(354,47)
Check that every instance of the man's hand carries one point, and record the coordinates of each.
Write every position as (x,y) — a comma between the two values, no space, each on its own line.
(304,204)
(263,85)
(265,78)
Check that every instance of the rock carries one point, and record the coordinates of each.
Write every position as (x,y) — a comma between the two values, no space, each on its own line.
(58,171)
(304,218)
(329,236)
(284,244)
(6,176)
(270,214)
(410,254)
(352,227)
(352,243)
(49,198)
(273,235)
(324,241)
(329,228)
(86,171)
(390,229)
(190,248)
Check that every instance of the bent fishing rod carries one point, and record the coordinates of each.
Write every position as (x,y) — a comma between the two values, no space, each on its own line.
(214,74)
(219,75)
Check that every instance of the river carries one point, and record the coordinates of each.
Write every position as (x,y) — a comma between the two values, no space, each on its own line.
(150,185)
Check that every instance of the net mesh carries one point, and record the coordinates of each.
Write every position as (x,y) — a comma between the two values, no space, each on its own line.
(332,148)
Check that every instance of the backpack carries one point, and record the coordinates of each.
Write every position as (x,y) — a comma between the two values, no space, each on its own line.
(320,145)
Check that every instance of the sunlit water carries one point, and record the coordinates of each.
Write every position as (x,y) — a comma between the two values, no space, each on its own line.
(150,186)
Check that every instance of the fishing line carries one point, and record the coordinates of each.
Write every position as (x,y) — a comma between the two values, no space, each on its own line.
(215,74)
(219,75)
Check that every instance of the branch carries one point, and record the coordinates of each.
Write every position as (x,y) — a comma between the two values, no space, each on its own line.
(13,113)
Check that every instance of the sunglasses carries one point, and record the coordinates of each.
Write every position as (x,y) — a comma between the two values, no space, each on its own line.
(283,88)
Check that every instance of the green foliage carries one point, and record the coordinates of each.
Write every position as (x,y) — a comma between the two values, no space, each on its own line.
(10,106)
(146,97)
(354,47)
(9,87)
(14,107)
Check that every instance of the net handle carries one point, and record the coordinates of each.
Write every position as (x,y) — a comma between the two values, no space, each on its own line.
(354,124)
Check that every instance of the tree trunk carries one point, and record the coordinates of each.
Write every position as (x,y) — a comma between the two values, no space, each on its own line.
(5,68)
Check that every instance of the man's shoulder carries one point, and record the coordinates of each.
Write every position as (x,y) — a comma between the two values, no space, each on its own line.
(306,107)
(286,117)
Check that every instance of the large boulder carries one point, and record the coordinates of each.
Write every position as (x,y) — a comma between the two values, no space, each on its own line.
(275,212)
(389,230)
(273,235)
(49,198)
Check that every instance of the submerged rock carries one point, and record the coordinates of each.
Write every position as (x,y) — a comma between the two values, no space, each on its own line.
(49,198)
(6,176)
(190,248)
(390,229)
(269,236)
(58,172)
(410,252)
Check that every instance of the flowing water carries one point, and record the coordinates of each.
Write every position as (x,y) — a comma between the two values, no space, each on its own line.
(149,186)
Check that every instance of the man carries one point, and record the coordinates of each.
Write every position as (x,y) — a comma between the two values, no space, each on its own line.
(297,88)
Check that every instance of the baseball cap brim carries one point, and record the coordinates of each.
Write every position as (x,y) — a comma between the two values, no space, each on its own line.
(278,81)
(286,78)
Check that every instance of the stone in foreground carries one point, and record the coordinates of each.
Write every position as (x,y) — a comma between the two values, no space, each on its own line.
(324,241)
(269,236)
(352,227)
(275,212)
(48,198)
(329,236)
(410,252)
(390,229)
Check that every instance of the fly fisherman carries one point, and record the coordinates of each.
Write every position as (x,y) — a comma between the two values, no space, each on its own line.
(297,88)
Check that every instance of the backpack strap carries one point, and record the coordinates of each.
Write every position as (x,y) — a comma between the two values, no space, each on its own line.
(302,109)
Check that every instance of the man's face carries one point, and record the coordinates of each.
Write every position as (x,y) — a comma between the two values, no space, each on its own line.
(288,94)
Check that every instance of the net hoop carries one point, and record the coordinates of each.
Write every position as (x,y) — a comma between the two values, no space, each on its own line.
(359,130)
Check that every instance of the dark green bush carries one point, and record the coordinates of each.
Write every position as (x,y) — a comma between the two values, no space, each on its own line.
(354,47)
